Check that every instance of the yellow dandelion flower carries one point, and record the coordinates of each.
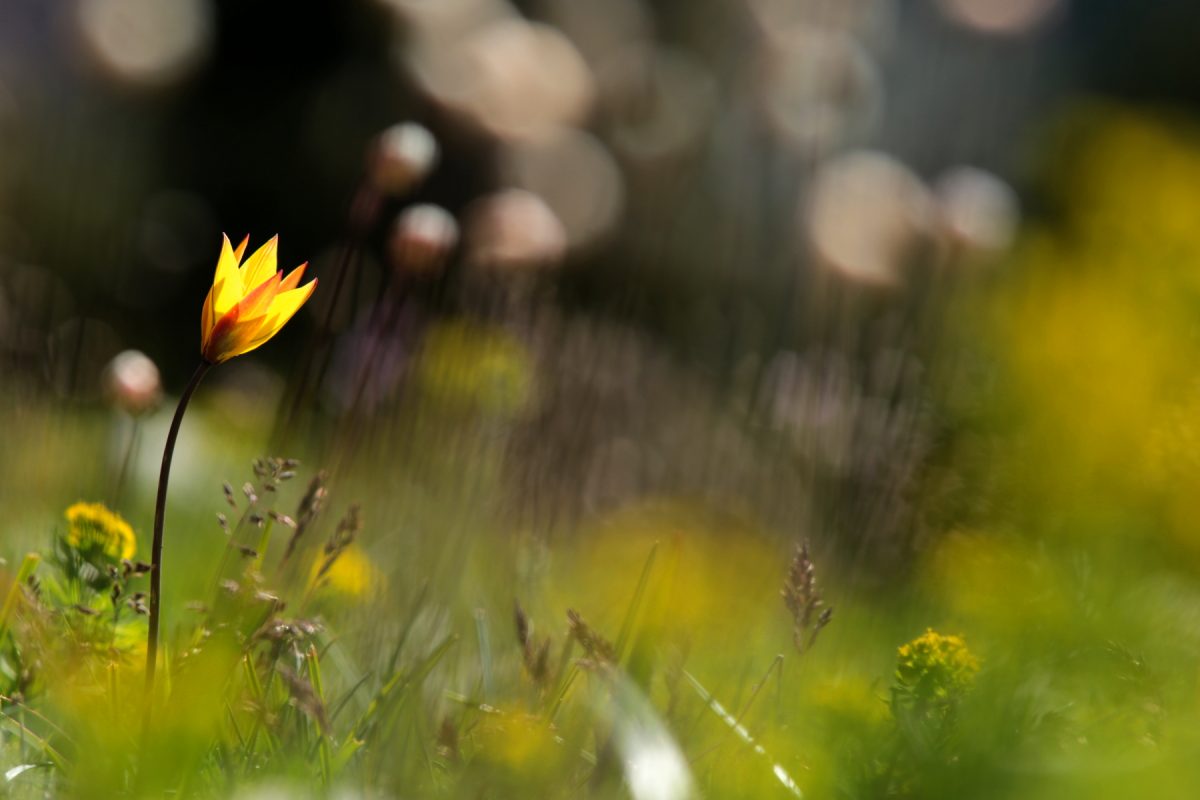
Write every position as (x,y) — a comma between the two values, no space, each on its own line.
(351,574)
(248,302)
(935,666)
(93,527)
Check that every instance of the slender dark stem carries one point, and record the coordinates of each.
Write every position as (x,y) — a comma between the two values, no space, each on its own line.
(160,508)
(126,461)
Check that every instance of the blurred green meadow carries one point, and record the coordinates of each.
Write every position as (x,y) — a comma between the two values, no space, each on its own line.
(664,425)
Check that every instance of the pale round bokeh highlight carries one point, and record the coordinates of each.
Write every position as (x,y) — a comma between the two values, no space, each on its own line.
(871,20)
(511,78)
(864,214)
(818,87)
(145,43)
(513,230)
(576,177)
(1002,17)
(656,102)
(977,211)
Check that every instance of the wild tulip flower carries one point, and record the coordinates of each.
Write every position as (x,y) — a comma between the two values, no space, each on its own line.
(248,304)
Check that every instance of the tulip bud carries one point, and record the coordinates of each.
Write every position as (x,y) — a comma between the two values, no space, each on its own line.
(132,383)
(422,238)
(401,157)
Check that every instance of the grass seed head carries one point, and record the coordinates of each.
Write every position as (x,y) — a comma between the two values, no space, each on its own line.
(803,600)
(600,652)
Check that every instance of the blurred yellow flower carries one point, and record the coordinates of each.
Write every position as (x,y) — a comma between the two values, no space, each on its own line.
(92,526)
(519,750)
(351,574)
(847,697)
(477,366)
(248,303)
(935,666)
(971,574)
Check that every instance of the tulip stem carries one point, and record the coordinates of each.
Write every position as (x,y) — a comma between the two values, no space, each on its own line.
(160,508)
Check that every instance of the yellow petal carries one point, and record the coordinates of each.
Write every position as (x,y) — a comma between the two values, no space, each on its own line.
(258,302)
(216,342)
(251,337)
(207,317)
(227,283)
(283,308)
(293,278)
(260,266)
(287,303)
(241,249)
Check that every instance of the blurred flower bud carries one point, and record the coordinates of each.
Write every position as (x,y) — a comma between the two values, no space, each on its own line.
(401,157)
(514,229)
(422,237)
(131,382)
(978,211)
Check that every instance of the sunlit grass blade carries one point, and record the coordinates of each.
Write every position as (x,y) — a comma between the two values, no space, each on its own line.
(564,676)
(396,688)
(348,695)
(314,677)
(628,624)
(28,565)
(732,723)
(45,746)
(485,651)
(398,648)
(13,773)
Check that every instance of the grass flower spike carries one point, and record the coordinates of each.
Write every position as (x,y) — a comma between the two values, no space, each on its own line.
(248,302)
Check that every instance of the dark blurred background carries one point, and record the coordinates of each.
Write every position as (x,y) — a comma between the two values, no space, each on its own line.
(133,133)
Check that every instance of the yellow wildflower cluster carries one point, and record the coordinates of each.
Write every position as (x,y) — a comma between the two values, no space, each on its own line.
(93,527)
(935,667)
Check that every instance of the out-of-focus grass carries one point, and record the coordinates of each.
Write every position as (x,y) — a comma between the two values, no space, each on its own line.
(1061,546)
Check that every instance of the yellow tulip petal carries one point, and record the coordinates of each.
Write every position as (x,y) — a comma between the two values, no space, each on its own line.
(241,249)
(283,308)
(287,303)
(207,317)
(253,338)
(293,278)
(260,266)
(215,344)
(258,302)
(227,284)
